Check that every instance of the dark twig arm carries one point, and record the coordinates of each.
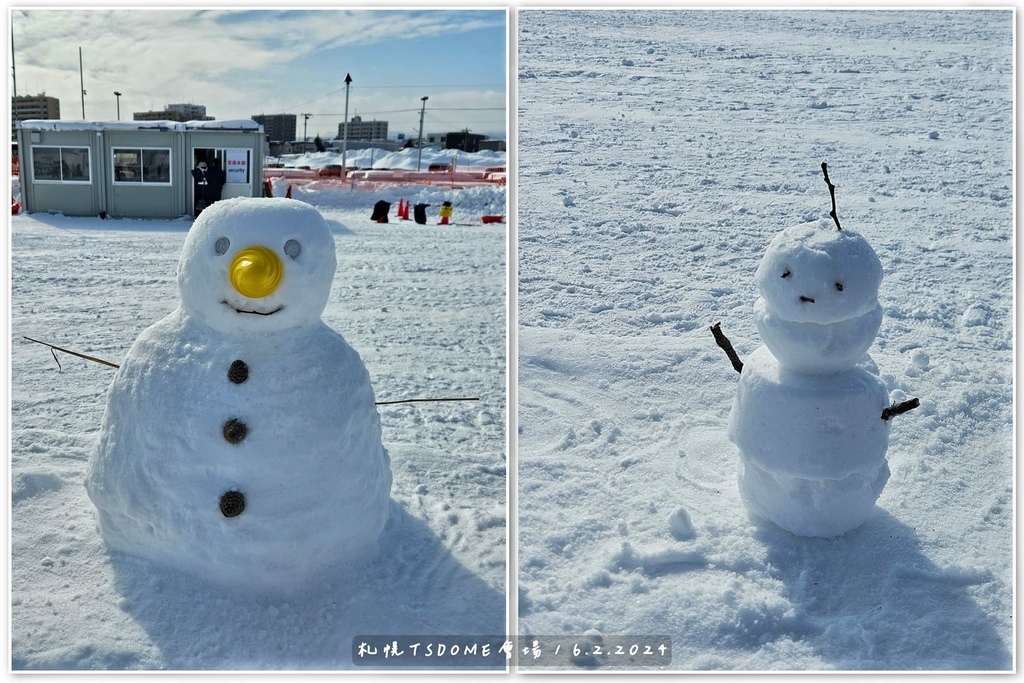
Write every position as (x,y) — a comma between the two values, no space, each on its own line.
(900,408)
(726,346)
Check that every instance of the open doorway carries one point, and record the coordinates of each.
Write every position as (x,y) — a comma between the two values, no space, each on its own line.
(207,178)
(220,173)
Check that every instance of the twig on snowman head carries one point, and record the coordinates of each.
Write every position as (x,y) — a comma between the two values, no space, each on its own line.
(900,408)
(54,349)
(832,192)
(726,346)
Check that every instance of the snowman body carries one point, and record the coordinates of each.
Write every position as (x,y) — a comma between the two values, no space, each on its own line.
(241,442)
(807,413)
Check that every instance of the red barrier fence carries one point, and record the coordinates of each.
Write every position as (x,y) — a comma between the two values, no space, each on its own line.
(332,177)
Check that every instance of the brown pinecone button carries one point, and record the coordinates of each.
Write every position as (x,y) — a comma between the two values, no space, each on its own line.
(232,503)
(235,431)
(238,372)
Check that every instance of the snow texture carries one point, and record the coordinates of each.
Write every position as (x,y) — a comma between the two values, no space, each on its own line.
(632,241)
(308,462)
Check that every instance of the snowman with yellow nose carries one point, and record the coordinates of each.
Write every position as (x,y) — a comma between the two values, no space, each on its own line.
(241,442)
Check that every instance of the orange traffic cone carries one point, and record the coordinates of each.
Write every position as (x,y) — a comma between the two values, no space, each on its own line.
(288,194)
(405,214)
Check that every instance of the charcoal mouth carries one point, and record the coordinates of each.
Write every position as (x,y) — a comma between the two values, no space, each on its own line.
(807,300)
(263,313)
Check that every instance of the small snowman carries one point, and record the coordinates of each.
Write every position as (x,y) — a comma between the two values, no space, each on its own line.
(241,442)
(811,416)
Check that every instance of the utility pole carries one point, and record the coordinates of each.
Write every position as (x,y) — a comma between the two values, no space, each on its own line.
(81,79)
(305,120)
(344,136)
(118,105)
(419,140)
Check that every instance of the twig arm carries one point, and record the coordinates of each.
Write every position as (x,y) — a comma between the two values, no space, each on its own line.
(726,346)
(54,349)
(422,400)
(73,353)
(900,408)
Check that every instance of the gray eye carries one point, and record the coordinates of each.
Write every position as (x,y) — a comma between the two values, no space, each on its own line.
(222,245)
(292,248)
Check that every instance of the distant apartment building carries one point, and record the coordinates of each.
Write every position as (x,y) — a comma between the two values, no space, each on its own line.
(363,130)
(175,112)
(29,107)
(277,127)
(192,112)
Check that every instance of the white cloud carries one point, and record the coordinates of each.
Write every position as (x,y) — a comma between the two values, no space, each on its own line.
(235,63)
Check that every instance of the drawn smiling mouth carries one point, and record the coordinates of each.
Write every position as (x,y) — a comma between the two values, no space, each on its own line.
(239,310)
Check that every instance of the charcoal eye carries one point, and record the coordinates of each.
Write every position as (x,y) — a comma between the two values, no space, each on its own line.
(839,286)
(786,274)
(222,245)
(292,248)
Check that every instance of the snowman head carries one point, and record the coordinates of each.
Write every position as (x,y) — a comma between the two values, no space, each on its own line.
(257,265)
(814,273)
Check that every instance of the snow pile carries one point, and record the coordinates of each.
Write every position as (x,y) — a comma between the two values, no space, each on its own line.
(241,442)
(408,159)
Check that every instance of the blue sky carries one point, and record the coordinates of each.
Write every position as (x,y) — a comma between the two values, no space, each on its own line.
(239,63)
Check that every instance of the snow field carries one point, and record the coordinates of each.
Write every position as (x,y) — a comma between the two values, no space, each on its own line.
(425,308)
(659,154)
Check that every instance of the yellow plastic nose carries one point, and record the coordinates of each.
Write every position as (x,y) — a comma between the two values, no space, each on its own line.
(256,272)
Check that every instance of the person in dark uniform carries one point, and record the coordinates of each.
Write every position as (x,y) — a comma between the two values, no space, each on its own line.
(215,178)
(200,184)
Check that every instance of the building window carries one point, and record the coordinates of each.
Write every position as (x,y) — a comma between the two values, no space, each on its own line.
(147,166)
(60,164)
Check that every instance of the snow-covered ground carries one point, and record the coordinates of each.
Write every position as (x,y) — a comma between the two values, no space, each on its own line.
(425,306)
(659,153)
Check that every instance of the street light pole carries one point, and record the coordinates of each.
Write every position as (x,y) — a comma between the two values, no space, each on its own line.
(81,79)
(344,136)
(118,104)
(419,140)
(305,121)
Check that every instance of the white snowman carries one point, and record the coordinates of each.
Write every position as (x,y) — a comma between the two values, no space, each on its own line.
(811,416)
(241,442)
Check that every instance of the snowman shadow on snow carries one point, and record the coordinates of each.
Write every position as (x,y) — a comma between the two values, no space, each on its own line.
(414,586)
(872,597)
